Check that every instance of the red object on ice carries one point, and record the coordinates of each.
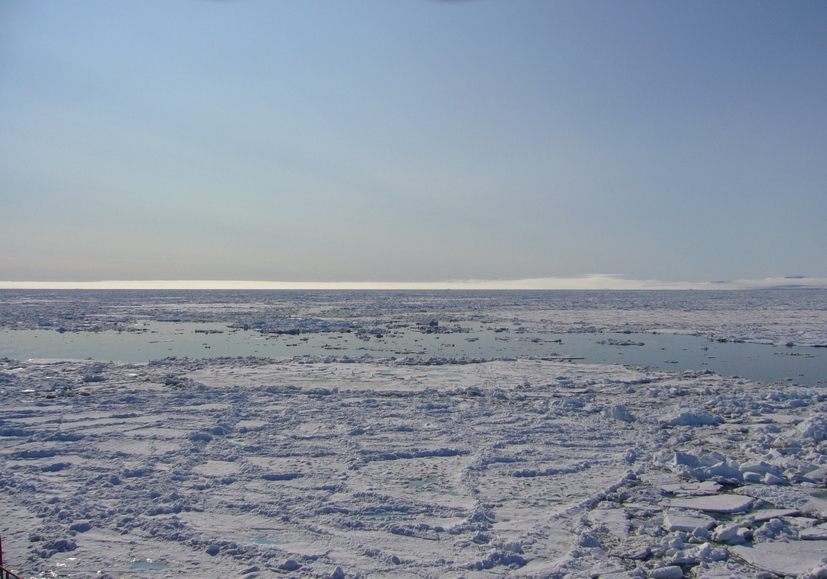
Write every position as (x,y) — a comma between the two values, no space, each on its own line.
(5,573)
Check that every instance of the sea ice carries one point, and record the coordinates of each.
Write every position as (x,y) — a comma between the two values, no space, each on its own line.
(682,521)
(713,503)
(681,416)
(668,572)
(818,532)
(618,412)
(790,558)
(409,465)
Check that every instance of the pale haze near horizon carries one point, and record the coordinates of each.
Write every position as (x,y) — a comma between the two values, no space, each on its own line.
(412,141)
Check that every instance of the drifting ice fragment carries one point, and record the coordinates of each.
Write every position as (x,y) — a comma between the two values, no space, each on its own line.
(713,504)
(817,533)
(767,514)
(690,417)
(814,428)
(729,534)
(693,489)
(677,521)
(618,412)
(670,572)
(790,558)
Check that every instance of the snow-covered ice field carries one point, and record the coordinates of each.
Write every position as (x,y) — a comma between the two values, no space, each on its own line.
(411,465)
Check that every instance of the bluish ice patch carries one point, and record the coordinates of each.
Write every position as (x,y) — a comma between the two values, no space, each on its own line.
(419,483)
(264,541)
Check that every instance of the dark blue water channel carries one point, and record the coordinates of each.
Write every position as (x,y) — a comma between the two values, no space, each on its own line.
(672,352)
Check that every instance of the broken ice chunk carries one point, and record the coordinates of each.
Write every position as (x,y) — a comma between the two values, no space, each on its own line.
(701,553)
(689,522)
(669,572)
(818,475)
(787,558)
(753,477)
(815,427)
(759,467)
(681,416)
(693,489)
(713,503)
(772,479)
(729,534)
(767,514)
(618,412)
(817,533)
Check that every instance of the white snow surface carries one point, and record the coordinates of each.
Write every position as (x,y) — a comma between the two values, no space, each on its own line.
(264,467)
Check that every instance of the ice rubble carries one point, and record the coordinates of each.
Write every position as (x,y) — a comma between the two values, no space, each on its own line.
(326,467)
(418,466)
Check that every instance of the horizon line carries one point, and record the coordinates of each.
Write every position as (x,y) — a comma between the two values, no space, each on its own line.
(585,282)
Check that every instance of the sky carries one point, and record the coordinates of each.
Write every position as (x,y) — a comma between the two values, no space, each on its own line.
(412,141)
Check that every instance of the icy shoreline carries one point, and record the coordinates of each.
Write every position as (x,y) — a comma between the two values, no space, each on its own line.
(522,468)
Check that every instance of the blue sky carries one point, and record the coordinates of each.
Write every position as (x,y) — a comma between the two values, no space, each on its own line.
(412,140)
